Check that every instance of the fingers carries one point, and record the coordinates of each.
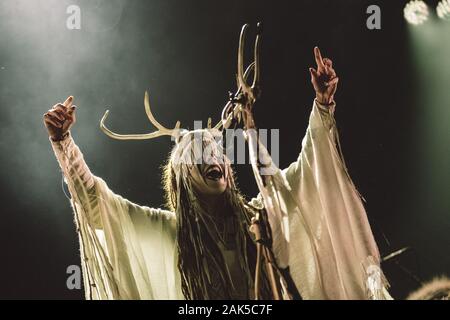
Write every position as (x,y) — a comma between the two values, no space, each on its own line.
(329,71)
(49,118)
(60,107)
(71,110)
(68,102)
(70,116)
(332,82)
(57,113)
(51,122)
(61,115)
(314,73)
(319,60)
(332,75)
(62,110)
(328,62)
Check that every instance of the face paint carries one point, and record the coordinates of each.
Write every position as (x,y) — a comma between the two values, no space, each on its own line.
(207,170)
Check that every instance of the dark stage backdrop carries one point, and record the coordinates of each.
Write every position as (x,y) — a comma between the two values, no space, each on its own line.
(184,53)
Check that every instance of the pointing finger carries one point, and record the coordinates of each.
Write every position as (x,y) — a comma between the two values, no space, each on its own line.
(318,57)
(68,102)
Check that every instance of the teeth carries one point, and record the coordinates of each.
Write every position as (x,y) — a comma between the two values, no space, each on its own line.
(212,169)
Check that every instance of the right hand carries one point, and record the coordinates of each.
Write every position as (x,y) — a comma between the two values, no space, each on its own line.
(324,79)
(59,119)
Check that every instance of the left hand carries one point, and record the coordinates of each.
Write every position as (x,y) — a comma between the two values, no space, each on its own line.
(324,79)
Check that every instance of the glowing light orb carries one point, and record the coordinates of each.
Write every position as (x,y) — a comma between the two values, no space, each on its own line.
(443,9)
(416,12)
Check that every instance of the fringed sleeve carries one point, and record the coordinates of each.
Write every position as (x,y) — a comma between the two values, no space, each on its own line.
(333,254)
(75,169)
(127,251)
(319,224)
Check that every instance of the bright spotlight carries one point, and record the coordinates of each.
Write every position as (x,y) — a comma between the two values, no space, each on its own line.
(416,12)
(443,9)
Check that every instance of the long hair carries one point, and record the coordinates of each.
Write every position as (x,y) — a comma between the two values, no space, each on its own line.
(436,289)
(200,261)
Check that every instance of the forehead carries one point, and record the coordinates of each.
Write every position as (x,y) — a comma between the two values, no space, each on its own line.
(198,144)
(200,138)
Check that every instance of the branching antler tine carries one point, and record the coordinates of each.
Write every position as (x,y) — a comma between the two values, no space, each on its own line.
(152,119)
(256,73)
(225,123)
(219,125)
(126,136)
(246,74)
(240,75)
(250,67)
(162,131)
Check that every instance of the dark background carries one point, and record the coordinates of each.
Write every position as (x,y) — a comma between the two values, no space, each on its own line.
(184,53)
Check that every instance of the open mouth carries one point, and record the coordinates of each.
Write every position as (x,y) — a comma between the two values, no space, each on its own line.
(214,173)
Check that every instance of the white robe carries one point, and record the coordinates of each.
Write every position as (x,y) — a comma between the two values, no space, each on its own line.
(318,221)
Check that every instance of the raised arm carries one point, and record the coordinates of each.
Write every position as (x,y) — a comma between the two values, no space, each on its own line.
(321,136)
(58,121)
(332,213)
(324,81)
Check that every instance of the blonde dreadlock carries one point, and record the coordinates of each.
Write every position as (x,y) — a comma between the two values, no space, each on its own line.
(199,256)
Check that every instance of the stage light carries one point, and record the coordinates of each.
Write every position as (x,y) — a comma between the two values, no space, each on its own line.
(443,9)
(416,12)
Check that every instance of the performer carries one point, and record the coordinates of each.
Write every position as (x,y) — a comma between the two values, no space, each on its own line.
(201,247)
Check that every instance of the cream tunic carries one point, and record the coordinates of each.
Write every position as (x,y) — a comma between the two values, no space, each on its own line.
(319,225)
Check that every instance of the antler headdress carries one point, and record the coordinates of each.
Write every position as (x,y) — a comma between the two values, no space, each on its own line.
(245,96)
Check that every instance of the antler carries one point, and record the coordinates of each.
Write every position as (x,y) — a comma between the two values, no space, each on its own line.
(227,113)
(162,131)
(246,94)
(250,92)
